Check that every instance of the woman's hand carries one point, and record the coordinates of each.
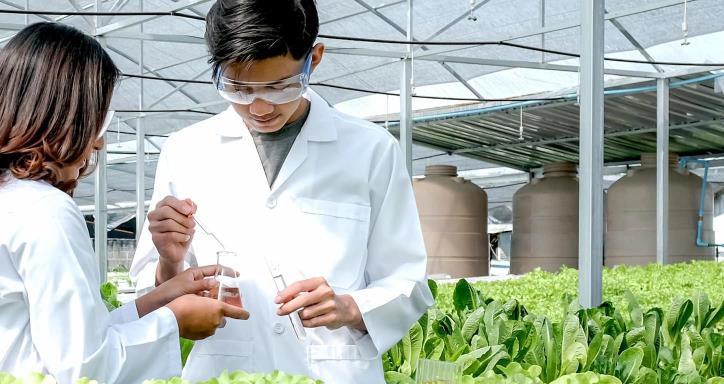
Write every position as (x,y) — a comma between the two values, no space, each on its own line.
(191,281)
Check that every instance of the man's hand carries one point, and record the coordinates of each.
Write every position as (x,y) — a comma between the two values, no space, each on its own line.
(199,317)
(172,227)
(320,306)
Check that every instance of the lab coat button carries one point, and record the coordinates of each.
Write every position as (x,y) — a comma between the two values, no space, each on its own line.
(271,203)
(278,328)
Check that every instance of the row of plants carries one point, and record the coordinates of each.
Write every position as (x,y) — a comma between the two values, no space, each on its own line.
(499,341)
(653,285)
(485,331)
(237,377)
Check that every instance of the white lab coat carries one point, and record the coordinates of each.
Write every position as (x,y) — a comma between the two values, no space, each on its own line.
(342,207)
(52,318)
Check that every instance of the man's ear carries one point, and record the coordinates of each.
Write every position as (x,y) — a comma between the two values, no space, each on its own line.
(317,53)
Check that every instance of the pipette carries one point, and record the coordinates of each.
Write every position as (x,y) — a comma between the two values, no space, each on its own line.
(208,233)
(275,270)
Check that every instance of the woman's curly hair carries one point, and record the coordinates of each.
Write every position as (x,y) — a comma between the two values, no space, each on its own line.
(56,85)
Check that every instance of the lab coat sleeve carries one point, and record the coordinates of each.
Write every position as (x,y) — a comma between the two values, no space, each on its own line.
(71,328)
(145,259)
(124,314)
(397,293)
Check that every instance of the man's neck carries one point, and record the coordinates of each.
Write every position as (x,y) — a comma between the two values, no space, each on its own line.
(300,112)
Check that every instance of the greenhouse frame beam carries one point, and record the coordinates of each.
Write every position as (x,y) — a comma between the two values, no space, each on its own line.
(176,64)
(542,17)
(131,160)
(128,206)
(128,116)
(113,166)
(157,37)
(11,4)
(131,21)
(636,44)
(101,214)
(140,148)
(387,5)
(454,21)
(688,71)
(194,11)
(153,144)
(609,16)
(560,140)
(357,71)
(117,6)
(149,70)
(590,219)
(535,65)
(662,171)
(100,228)
(78,8)
(406,119)
(44,17)
(398,28)
(561,27)
(461,80)
(195,106)
(11,26)
(178,88)
(482,61)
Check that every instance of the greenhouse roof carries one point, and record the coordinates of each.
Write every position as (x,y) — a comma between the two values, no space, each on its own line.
(645,30)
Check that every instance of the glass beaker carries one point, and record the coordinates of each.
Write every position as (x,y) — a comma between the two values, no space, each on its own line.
(227,275)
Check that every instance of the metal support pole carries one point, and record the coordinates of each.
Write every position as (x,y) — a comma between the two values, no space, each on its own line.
(100,225)
(542,26)
(140,152)
(590,220)
(662,171)
(101,215)
(406,97)
(96,18)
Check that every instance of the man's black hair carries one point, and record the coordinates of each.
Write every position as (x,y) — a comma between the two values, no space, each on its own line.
(252,30)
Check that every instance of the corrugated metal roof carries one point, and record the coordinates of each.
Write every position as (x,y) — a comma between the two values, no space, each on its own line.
(550,130)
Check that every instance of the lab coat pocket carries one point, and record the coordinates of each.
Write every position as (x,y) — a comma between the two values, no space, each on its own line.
(337,364)
(334,240)
(210,358)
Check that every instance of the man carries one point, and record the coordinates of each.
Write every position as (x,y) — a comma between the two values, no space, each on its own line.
(301,192)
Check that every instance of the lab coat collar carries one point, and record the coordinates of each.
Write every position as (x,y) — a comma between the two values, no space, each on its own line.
(318,127)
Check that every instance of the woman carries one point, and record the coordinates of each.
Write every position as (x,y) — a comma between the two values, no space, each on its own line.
(55,89)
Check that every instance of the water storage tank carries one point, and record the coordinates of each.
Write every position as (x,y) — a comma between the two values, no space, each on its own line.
(454,218)
(545,221)
(631,216)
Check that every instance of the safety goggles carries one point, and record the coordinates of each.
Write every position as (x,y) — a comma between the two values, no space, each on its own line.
(92,161)
(106,123)
(273,92)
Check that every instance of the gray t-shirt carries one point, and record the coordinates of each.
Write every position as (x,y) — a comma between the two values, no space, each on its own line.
(274,147)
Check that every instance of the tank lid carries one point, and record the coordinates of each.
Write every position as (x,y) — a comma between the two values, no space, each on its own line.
(648,160)
(441,170)
(562,167)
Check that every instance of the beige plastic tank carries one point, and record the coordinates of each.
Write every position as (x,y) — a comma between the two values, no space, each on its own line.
(545,221)
(454,218)
(631,216)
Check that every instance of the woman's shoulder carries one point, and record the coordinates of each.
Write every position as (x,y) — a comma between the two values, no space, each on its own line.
(28,196)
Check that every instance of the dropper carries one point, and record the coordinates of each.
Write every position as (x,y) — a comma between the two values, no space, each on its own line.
(208,233)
